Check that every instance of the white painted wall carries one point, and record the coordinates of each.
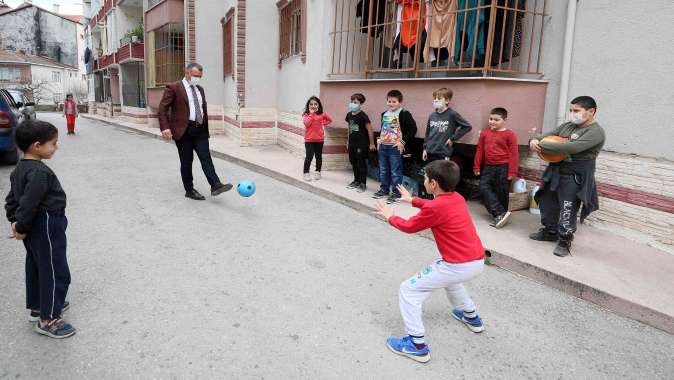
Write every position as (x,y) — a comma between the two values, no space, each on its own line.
(262,73)
(209,50)
(623,55)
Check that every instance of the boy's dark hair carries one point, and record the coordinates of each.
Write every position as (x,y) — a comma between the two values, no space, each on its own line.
(320,105)
(395,94)
(32,131)
(499,111)
(445,172)
(359,97)
(67,95)
(443,92)
(586,102)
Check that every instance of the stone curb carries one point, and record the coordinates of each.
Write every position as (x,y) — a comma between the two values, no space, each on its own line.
(577,289)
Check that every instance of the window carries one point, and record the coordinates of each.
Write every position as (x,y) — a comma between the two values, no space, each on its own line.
(56,76)
(169,53)
(10,74)
(292,29)
(152,3)
(227,46)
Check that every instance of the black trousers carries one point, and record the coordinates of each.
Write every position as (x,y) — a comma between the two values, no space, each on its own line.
(494,188)
(313,149)
(47,272)
(358,158)
(195,139)
(559,208)
(430,157)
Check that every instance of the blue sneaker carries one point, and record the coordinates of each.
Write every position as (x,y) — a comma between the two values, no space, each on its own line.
(474,324)
(405,347)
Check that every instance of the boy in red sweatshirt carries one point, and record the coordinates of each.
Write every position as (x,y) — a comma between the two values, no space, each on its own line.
(497,148)
(460,248)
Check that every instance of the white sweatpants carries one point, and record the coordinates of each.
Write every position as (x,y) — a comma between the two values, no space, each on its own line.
(440,274)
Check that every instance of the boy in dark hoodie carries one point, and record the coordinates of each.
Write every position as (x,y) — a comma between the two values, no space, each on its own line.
(397,129)
(445,127)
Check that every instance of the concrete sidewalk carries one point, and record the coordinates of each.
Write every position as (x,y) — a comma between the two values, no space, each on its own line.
(609,270)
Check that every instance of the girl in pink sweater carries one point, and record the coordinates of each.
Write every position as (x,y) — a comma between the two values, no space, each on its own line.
(314,135)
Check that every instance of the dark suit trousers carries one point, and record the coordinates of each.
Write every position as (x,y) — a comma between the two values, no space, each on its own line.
(195,139)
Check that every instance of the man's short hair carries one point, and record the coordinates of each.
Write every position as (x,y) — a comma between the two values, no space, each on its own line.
(443,92)
(32,131)
(359,97)
(586,102)
(445,172)
(499,111)
(194,65)
(395,94)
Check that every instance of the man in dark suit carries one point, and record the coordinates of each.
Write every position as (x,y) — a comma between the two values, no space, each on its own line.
(183,117)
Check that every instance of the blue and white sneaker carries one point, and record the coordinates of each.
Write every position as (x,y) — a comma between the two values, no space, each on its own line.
(474,324)
(405,347)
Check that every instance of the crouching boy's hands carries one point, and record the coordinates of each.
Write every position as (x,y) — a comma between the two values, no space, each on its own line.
(381,208)
(404,194)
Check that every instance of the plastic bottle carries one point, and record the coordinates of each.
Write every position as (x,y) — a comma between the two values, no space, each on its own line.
(520,186)
(533,205)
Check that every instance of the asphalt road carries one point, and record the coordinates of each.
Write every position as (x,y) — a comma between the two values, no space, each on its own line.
(285,284)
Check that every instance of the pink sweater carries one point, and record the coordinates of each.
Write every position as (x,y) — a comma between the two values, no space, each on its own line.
(314,126)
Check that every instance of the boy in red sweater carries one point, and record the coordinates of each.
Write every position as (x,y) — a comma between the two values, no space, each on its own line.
(498,150)
(460,248)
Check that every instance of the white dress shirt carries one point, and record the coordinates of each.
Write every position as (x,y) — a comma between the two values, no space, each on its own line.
(188,89)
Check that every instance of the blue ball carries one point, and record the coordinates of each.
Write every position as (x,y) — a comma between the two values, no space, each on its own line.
(246,188)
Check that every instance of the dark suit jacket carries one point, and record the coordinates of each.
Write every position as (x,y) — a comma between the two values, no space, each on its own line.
(175,119)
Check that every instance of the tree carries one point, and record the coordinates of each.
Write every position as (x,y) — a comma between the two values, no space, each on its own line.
(36,90)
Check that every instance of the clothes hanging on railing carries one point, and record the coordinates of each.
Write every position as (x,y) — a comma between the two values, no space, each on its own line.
(409,13)
(363,13)
(469,20)
(441,25)
(505,27)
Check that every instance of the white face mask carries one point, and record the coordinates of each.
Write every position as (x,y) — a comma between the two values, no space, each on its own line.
(194,81)
(577,118)
(438,104)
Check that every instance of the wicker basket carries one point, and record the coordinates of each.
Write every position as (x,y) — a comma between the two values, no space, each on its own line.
(518,201)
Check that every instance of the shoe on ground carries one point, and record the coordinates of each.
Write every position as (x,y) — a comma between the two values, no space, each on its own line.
(381,194)
(474,324)
(307,177)
(221,188)
(35,314)
(563,248)
(193,194)
(56,328)
(544,235)
(393,199)
(405,347)
(317,176)
(353,185)
(361,188)
(501,220)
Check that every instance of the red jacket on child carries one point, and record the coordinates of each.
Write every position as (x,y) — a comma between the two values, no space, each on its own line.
(314,126)
(449,219)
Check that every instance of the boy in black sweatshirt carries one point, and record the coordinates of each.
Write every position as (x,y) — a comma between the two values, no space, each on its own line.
(397,129)
(445,127)
(35,208)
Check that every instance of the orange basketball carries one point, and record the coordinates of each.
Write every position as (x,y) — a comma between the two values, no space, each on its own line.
(553,157)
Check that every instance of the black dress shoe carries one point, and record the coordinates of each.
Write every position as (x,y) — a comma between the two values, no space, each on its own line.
(193,194)
(220,188)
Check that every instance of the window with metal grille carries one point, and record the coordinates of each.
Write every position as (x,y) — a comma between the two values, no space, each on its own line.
(227,46)
(292,29)
(169,53)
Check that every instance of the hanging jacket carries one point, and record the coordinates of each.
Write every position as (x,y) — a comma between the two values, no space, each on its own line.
(410,21)
(471,18)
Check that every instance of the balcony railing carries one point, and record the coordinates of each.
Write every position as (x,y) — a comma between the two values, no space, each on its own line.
(106,61)
(131,51)
(381,38)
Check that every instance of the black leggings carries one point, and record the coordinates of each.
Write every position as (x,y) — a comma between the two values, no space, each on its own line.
(313,149)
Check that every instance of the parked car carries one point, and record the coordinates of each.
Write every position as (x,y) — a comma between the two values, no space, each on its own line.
(11,115)
(25,106)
